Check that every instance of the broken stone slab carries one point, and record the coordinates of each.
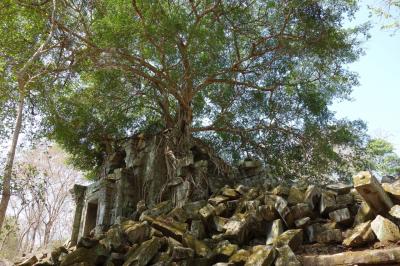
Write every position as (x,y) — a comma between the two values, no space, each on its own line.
(283,209)
(344,200)
(301,210)
(293,238)
(240,257)
(340,216)
(312,196)
(230,193)
(197,229)
(303,222)
(312,231)
(261,256)
(281,190)
(327,202)
(217,200)
(364,214)
(192,209)
(29,261)
(170,228)
(159,209)
(286,257)
(239,227)
(219,223)
(136,232)
(226,249)
(384,229)
(96,255)
(144,253)
(366,257)
(181,253)
(178,214)
(274,229)
(113,239)
(340,188)
(267,212)
(207,211)
(328,236)
(395,211)
(87,242)
(361,235)
(372,192)
(393,189)
(200,247)
(295,196)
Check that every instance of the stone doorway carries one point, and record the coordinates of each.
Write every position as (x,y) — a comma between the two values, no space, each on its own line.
(91,217)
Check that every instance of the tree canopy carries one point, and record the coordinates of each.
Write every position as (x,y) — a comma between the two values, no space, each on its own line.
(253,78)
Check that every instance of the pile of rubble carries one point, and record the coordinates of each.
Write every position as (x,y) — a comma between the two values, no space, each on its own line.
(253,226)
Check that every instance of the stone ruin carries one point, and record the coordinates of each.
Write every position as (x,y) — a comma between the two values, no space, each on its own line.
(233,220)
(137,173)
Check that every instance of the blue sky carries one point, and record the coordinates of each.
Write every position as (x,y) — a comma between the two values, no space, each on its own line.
(377,99)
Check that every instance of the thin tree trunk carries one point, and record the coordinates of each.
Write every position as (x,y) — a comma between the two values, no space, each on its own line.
(6,192)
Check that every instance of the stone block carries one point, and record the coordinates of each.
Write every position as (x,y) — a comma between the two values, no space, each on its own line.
(361,235)
(274,229)
(293,238)
(372,192)
(261,256)
(340,216)
(286,257)
(340,188)
(385,230)
(395,211)
(329,236)
(283,209)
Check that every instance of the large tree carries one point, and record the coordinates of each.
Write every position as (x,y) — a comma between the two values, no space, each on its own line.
(255,78)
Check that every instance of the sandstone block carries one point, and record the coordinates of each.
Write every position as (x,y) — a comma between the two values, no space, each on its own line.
(385,230)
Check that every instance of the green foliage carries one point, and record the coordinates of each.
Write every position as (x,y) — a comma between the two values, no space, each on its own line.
(382,158)
(257,76)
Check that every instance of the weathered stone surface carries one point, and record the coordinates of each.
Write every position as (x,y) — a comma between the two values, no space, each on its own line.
(192,209)
(281,190)
(362,234)
(365,257)
(29,261)
(274,229)
(217,200)
(329,236)
(113,239)
(393,189)
(395,211)
(159,209)
(301,210)
(340,188)
(93,256)
(86,242)
(197,229)
(286,257)
(364,214)
(239,227)
(200,248)
(142,255)
(240,257)
(312,231)
(267,212)
(283,209)
(225,248)
(178,214)
(372,192)
(207,211)
(344,200)
(293,238)
(303,222)
(340,216)
(136,232)
(182,253)
(230,193)
(327,202)
(385,230)
(312,196)
(261,256)
(170,228)
(295,196)
(219,223)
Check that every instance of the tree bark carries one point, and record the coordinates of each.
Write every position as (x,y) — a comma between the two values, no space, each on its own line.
(6,192)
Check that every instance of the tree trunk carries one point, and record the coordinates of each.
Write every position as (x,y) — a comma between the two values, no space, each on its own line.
(6,193)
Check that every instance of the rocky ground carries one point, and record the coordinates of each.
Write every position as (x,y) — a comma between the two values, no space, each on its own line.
(333,225)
